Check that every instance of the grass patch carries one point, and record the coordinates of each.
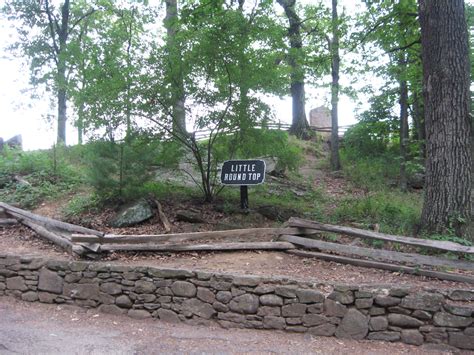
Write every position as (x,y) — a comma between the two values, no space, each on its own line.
(395,212)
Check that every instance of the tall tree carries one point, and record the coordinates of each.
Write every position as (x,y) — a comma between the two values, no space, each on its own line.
(446,81)
(175,65)
(335,60)
(45,34)
(297,76)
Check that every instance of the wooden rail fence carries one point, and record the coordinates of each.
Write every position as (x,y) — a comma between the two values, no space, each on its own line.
(297,233)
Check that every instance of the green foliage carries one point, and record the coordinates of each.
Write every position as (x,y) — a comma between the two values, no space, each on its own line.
(395,212)
(253,143)
(118,170)
(49,174)
(79,204)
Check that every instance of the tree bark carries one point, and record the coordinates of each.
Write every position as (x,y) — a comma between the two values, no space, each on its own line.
(335,60)
(63,33)
(299,123)
(175,68)
(446,81)
(403,126)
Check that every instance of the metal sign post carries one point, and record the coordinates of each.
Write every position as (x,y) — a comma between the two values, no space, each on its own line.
(243,173)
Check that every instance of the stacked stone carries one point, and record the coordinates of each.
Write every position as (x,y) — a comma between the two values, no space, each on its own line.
(344,311)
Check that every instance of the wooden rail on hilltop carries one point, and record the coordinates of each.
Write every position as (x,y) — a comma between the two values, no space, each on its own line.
(297,233)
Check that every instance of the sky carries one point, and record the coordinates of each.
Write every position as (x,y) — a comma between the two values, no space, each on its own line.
(19,114)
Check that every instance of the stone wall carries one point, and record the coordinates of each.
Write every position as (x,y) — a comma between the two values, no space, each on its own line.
(193,297)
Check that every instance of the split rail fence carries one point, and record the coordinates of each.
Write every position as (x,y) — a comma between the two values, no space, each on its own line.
(298,237)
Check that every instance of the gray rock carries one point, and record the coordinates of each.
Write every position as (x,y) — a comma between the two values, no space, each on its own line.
(142,286)
(315,308)
(461,341)
(111,288)
(354,325)
(263,289)
(309,296)
(16,283)
(437,335)
(146,298)
(450,320)
(469,331)
(139,314)
(271,322)
(464,311)
(133,214)
(334,309)
(387,301)
(400,310)
(206,295)
(189,216)
(46,297)
(423,301)
(376,311)
(399,292)
(86,291)
(220,307)
(423,315)
(346,297)
(50,281)
(232,317)
(236,291)
(311,320)
(363,303)
(384,336)
(271,300)
(247,304)
(183,289)
(461,295)
(250,281)
(123,301)
(325,330)
(170,273)
(224,296)
(220,285)
(30,296)
(412,337)
(293,310)
(286,291)
(111,309)
(199,308)
(378,323)
(269,311)
(294,321)
(404,321)
(364,294)
(167,315)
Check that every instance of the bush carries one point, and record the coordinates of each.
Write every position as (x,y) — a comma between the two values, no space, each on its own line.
(395,212)
(48,173)
(118,170)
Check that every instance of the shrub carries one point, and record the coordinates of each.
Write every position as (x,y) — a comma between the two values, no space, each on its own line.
(395,212)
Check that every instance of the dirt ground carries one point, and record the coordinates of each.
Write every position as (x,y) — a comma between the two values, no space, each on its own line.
(50,329)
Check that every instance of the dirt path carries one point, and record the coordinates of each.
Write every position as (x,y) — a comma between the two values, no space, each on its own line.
(48,329)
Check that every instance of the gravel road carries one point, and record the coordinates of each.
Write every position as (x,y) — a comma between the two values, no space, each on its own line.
(27,328)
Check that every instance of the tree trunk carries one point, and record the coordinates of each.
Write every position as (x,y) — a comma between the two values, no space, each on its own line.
(63,33)
(175,68)
(419,123)
(446,81)
(335,161)
(80,123)
(403,126)
(299,123)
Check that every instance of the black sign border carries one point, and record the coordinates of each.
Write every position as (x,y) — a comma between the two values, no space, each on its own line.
(264,171)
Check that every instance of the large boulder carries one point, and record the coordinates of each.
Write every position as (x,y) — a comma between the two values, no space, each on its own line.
(132,214)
